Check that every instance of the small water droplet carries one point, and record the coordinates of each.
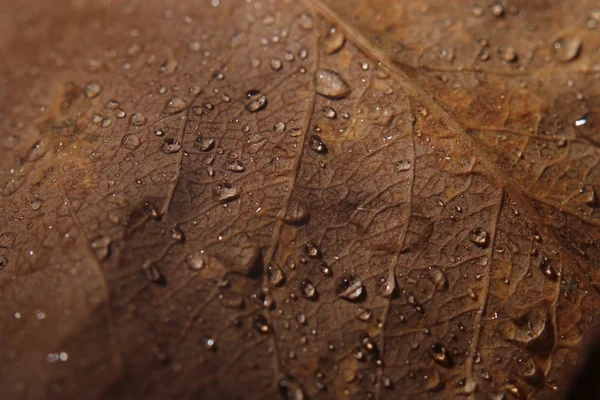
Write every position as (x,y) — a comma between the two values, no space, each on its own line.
(581,121)
(260,323)
(316,144)
(224,192)
(296,213)
(170,145)
(234,165)
(330,84)
(548,270)
(441,356)
(312,250)
(175,105)
(275,275)
(101,247)
(349,287)
(567,49)
(497,10)
(36,204)
(334,41)
(290,390)
(479,237)
(276,64)
(92,90)
(403,165)
(38,150)
(279,127)
(308,290)
(130,142)
(509,54)
(257,101)
(153,274)
(209,343)
(195,261)
(204,144)
(138,119)
(364,314)
(177,234)
(386,284)
(329,112)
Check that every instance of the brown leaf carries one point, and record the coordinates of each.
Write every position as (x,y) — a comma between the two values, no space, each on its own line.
(336,199)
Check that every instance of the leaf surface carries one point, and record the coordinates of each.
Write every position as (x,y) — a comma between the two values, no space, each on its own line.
(300,199)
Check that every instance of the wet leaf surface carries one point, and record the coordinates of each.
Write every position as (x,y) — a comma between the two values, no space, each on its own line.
(337,199)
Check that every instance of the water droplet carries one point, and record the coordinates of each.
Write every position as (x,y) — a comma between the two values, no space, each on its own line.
(410,298)
(364,66)
(296,213)
(153,274)
(308,290)
(170,145)
(439,279)
(548,270)
(257,101)
(349,287)
(334,41)
(174,106)
(276,64)
(386,284)
(315,143)
(36,204)
(312,250)
(325,269)
(195,261)
(130,142)
(403,165)
(567,49)
(441,356)
(303,54)
(275,275)
(138,119)
(101,247)
(224,192)
(209,343)
(509,54)
(330,84)
(231,299)
(480,237)
(471,293)
(364,314)
(159,132)
(38,150)
(260,323)
(581,121)
(368,344)
(306,22)
(329,112)
(234,165)
(290,390)
(279,127)
(205,144)
(497,10)
(177,234)
(92,90)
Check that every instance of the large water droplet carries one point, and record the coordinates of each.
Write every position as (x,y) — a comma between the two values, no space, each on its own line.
(330,84)
(349,287)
